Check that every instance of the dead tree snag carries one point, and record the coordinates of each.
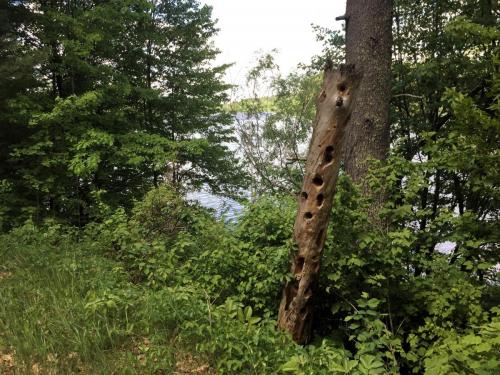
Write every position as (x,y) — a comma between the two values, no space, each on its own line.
(333,107)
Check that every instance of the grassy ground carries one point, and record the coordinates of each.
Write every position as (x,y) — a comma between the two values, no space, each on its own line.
(65,308)
(68,307)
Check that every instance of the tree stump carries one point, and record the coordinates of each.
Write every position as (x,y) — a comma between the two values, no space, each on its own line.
(333,108)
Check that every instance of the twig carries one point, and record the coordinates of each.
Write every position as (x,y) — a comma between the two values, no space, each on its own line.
(208,307)
(409,95)
(346,300)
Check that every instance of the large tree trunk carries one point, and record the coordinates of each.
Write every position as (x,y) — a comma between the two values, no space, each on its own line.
(333,107)
(368,46)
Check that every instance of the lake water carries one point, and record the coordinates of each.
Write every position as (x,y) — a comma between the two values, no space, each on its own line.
(229,210)
(224,207)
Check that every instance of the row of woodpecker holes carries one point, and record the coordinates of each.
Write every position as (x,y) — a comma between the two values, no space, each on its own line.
(318,181)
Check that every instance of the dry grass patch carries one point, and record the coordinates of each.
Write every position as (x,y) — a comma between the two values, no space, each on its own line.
(6,363)
(186,363)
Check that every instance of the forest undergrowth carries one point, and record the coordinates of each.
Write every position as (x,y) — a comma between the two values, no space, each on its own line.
(168,289)
(111,111)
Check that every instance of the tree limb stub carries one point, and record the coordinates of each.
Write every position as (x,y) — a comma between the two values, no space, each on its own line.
(333,107)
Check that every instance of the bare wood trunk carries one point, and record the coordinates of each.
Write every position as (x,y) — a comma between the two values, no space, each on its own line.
(368,46)
(333,108)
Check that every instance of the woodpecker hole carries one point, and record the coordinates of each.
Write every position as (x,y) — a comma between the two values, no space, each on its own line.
(319,199)
(317,180)
(329,154)
(299,265)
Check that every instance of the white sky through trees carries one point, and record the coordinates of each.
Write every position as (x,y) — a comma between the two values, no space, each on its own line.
(247,26)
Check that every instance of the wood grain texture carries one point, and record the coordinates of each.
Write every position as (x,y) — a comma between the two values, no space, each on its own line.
(333,108)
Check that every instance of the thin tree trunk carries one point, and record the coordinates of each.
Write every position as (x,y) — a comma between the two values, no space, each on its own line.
(368,46)
(333,107)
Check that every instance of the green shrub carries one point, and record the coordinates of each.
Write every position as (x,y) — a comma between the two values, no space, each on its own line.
(475,351)
(164,213)
(143,291)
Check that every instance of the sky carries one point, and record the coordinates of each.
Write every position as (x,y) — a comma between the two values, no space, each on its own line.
(249,26)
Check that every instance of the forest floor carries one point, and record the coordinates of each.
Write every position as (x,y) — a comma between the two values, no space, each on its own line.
(47,327)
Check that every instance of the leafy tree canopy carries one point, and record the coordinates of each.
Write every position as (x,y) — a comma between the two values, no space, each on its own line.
(102,100)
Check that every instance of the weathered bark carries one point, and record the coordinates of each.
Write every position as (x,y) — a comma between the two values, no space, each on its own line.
(333,107)
(368,47)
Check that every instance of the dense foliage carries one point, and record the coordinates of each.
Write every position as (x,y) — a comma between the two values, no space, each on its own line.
(102,100)
(136,293)
(151,279)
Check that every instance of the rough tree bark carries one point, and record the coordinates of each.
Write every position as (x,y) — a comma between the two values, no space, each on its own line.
(368,47)
(333,107)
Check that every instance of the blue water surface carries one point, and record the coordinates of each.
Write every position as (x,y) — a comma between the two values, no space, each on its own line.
(225,208)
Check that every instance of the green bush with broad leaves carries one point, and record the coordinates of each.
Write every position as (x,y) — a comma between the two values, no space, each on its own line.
(409,285)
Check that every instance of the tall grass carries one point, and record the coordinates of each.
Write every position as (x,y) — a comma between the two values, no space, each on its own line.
(66,307)
(45,319)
